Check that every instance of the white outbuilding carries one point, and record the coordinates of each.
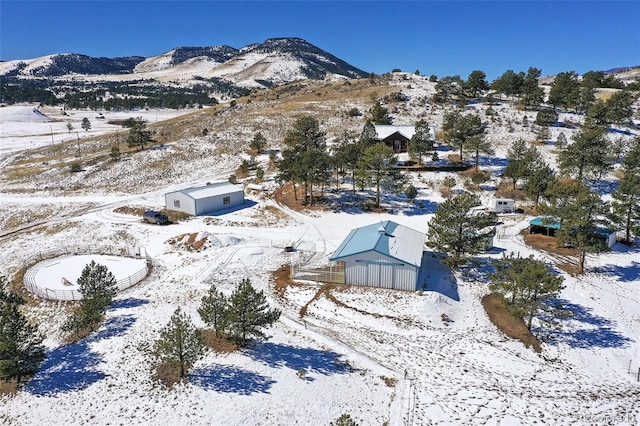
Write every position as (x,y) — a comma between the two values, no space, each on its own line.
(501,205)
(205,199)
(385,255)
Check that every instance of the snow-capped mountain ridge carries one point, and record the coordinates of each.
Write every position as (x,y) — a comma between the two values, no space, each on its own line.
(304,60)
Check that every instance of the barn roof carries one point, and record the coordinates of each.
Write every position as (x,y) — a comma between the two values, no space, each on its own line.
(212,190)
(387,238)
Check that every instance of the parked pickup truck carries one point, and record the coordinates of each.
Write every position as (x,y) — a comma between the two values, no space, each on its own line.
(152,216)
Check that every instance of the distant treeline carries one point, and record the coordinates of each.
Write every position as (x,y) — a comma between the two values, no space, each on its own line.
(115,96)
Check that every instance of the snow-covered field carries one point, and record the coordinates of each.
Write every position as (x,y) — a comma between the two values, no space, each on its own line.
(384,357)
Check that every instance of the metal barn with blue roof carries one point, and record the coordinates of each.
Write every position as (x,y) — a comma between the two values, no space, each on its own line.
(385,255)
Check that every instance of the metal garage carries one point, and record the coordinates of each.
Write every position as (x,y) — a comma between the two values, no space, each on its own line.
(385,255)
(205,199)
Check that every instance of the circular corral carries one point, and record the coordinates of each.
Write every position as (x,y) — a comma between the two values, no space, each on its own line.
(56,278)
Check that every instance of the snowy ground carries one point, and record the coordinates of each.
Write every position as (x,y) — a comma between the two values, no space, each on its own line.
(381,356)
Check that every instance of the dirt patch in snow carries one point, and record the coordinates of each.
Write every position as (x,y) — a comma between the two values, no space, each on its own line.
(513,327)
(282,280)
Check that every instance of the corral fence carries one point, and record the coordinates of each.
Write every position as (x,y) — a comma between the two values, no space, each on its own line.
(33,265)
(332,274)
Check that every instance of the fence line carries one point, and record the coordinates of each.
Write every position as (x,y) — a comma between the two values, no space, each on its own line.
(69,295)
(334,273)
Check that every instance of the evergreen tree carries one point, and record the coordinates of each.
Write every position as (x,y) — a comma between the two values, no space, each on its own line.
(139,135)
(305,157)
(368,136)
(588,155)
(86,124)
(460,129)
(446,88)
(21,348)
(578,211)
(457,231)
(344,420)
(69,127)
(379,114)
(625,206)
(347,155)
(527,285)
(421,141)
(248,313)
(115,153)
(532,93)
(213,311)
(377,168)
(180,343)
(479,145)
(546,117)
(411,192)
(619,107)
(539,179)
(509,83)
(561,142)
(517,168)
(476,83)
(258,143)
(564,90)
(98,288)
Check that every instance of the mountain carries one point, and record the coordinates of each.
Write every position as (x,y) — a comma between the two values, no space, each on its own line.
(275,61)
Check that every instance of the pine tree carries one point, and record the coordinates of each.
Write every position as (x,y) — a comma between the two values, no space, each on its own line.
(588,156)
(561,142)
(527,284)
(180,343)
(248,313)
(21,348)
(379,114)
(578,211)
(258,143)
(86,124)
(457,231)
(476,83)
(479,145)
(214,311)
(625,206)
(517,168)
(460,129)
(98,288)
(421,141)
(139,135)
(377,168)
(305,157)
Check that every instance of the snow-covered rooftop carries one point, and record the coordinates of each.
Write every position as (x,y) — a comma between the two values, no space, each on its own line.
(388,238)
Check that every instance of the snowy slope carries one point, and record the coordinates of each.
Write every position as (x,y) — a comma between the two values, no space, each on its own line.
(381,356)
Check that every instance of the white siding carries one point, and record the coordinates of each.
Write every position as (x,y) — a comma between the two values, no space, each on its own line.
(211,204)
(373,269)
(184,203)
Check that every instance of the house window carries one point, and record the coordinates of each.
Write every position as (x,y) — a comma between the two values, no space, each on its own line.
(226,200)
(176,203)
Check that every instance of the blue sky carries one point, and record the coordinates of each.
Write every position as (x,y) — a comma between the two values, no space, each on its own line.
(442,38)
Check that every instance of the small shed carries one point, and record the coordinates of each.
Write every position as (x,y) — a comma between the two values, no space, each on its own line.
(398,137)
(539,226)
(205,199)
(384,255)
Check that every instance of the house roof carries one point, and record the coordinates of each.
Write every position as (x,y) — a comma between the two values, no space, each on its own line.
(388,238)
(207,191)
(383,131)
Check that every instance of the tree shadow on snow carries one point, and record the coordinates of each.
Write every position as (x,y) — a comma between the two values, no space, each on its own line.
(297,358)
(436,277)
(230,379)
(127,303)
(603,187)
(75,366)
(583,329)
(627,273)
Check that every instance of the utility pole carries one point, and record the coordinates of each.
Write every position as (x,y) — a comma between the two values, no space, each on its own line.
(51,129)
(78,137)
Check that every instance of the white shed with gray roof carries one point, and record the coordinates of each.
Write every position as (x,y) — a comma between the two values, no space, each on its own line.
(205,199)
(385,255)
